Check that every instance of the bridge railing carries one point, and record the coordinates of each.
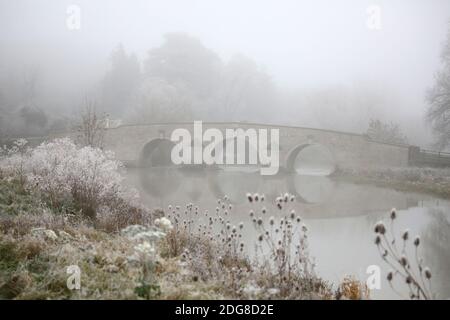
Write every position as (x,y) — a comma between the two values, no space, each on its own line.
(423,157)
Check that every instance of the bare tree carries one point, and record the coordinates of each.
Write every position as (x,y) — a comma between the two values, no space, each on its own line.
(92,127)
(386,132)
(438,97)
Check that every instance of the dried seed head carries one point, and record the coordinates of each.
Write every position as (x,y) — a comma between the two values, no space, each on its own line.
(390,276)
(393,214)
(262,198)
(377,240)
(292,214)
(272,220)
(264,210)
(409,279)
(380,228)
(404,261)
(417,241)
(260,221)
(241,225)
(427,273)
(251,213)
(260,238)
(249,197)
(405,235)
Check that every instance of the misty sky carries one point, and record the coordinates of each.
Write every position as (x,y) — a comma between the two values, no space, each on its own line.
(301,44)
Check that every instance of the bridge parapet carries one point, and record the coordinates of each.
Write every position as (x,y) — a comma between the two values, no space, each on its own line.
(350,150)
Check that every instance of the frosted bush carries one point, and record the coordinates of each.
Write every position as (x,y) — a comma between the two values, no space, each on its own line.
(85,178)
(12,160)
(164,224)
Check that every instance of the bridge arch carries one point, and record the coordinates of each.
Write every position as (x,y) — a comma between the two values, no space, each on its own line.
(311,159)
(156,153)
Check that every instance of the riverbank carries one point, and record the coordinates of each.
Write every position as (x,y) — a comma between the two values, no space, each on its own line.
(431,181)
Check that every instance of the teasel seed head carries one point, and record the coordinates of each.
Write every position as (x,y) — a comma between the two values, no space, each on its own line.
(427,273)
(417,241)
(377,240)
(405,235)
(380,228)
(393,213)
(403,261)
(390,276)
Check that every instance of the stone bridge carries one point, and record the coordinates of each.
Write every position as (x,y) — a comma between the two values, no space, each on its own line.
(149,144)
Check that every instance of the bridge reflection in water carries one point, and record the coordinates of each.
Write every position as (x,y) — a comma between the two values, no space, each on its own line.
(316,196)
(163,183)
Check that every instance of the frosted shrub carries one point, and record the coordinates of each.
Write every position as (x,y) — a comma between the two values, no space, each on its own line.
(84,179)
(12,160)
(88,177)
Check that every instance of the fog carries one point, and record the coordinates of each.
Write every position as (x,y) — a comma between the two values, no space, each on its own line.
(310,63)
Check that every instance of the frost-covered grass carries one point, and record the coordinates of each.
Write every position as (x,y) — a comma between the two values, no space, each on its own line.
(435,181)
